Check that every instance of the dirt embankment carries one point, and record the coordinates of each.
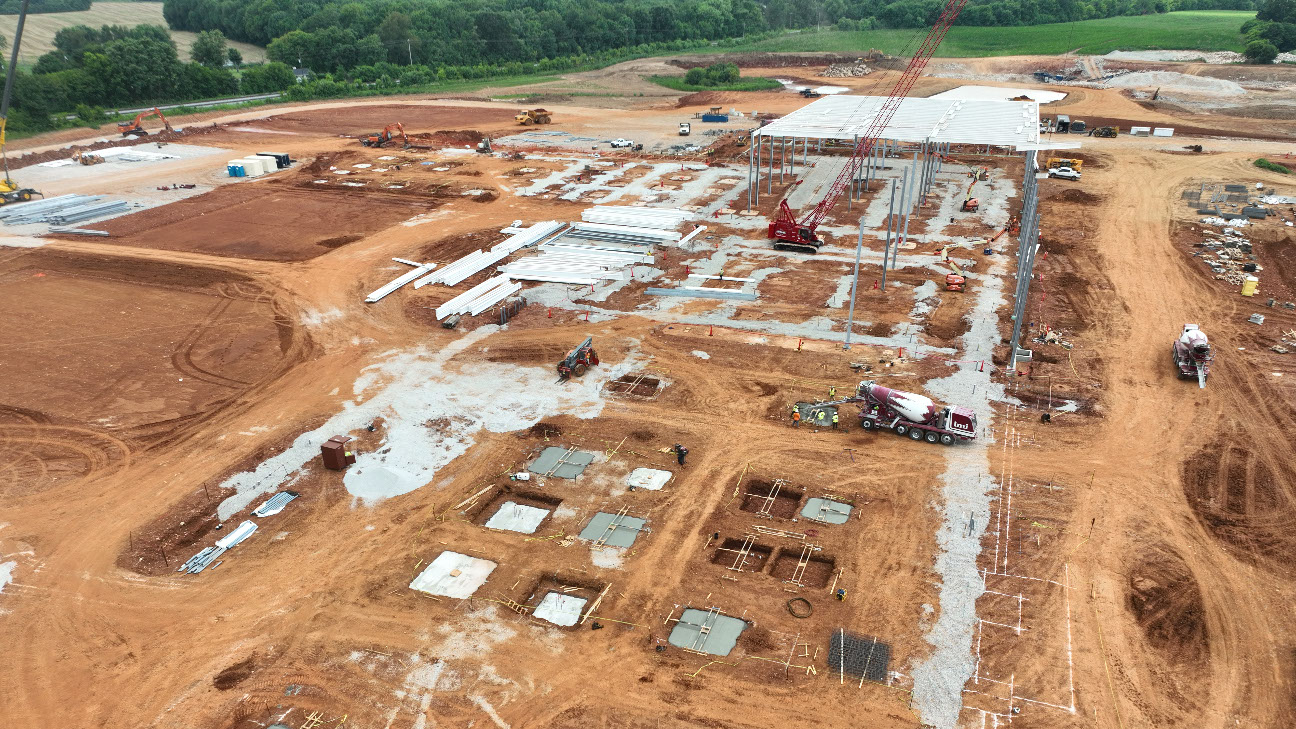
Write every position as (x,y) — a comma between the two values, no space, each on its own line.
(780,60)
(186,135)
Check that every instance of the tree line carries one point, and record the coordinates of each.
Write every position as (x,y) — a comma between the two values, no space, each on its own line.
(1273,31)
(115,66)
(13,7)
(331,35)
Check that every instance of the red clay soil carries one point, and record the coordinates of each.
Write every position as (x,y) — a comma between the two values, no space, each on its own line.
(370,119)
(195,338)
(261,222)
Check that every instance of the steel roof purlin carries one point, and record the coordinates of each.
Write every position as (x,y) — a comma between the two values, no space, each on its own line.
(961,121)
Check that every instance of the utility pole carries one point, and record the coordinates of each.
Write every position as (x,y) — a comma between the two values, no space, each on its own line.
(8,90)
(409,46)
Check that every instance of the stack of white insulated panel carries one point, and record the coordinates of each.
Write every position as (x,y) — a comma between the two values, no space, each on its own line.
(570,263)
(479,298)
(624,234)
(636,217)
(479,260)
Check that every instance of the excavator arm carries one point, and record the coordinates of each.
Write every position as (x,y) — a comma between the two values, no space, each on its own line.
(136,126)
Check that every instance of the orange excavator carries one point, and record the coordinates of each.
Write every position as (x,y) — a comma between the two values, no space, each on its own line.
(136,129)
(386,135)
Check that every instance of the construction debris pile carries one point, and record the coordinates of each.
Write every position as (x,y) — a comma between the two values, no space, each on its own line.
(847,70)
(207,557)
(1230,257)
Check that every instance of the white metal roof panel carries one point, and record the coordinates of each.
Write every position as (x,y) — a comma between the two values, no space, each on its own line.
(960,121)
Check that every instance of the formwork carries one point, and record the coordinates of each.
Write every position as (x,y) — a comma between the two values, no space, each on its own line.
(613,530)
(560,609)
(561,462)
(706,631)
(514,517)
(826,511)
(453,575)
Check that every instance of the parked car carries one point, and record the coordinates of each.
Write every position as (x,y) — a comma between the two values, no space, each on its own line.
(619,143)
(1065,173)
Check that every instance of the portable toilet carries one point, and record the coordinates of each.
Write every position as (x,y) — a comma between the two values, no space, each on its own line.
(236,169)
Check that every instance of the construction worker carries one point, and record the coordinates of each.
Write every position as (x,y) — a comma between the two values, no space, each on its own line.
(832,392)
(821,416)
(834,421)
(841,594)
(680,452)
(796,418)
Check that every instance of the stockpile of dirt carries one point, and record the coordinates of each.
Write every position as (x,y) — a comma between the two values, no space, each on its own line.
(708,98)
(184,135)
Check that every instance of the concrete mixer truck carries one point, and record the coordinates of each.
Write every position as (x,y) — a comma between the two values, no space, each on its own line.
(1192,354)
(913,415)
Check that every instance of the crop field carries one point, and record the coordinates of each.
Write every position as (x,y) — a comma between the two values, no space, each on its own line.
(38,34)
(1203,30)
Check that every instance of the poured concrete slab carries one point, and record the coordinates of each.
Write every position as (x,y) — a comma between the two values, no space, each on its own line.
(561,462)
(515,517)
(707,631)
(453,575)
(826,511)
(613,530)
(651,479)
(560,609)
(810,414)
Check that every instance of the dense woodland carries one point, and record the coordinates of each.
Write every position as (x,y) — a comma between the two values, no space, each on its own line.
(466,32)
(384,46)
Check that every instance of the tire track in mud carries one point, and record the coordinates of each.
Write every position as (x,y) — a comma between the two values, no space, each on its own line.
(40,457)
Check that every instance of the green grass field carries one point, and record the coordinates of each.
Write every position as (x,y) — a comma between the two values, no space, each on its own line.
(1198,30)
(38,33)
(756,83)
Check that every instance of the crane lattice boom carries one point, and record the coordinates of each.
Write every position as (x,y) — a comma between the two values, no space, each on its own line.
(786,227)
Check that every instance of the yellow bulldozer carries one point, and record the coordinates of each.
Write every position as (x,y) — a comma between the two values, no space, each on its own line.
(533,116)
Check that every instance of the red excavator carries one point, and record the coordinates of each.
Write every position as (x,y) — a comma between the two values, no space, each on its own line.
(386,135)
(789,232)
(134,128)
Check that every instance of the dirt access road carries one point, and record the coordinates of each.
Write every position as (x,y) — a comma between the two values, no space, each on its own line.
(1217,568)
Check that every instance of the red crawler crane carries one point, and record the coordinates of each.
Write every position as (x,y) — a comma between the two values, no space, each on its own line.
(789,231)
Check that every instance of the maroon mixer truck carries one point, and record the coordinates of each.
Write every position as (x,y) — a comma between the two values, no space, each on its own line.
(913,415)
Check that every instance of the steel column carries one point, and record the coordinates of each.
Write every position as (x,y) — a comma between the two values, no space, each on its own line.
(886,252)
(850,318)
